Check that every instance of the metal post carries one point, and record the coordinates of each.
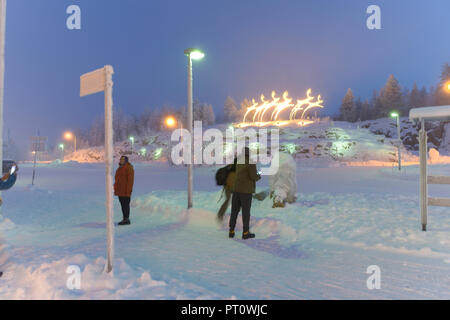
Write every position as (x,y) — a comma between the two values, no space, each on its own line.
(2,71)
(190,119)
(399,144)
(109,71)
(423,175)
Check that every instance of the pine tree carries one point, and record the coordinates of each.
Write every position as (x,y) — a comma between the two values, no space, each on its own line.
(391,97)
(347,109)
(404,109)
(208,116)
(365,110)
(415,98)
(245,104)
(230,110)
(423,101)
(356,116)
(97,132)
(442,95)
(10,150)
(431,101)
(204,112)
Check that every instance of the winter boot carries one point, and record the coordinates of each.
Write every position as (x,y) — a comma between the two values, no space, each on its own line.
(231,234)
(124,222)
(247,235)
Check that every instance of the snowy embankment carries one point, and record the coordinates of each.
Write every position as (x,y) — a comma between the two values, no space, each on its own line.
(325,143)
(344,220)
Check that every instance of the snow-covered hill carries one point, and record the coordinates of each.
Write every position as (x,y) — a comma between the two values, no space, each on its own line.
(321,143)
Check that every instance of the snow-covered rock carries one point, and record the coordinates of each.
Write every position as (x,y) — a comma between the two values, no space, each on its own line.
(438,132)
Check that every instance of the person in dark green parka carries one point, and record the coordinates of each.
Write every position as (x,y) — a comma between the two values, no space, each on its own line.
(244,187)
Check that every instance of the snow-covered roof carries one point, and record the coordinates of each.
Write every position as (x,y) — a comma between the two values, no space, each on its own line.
(430,113)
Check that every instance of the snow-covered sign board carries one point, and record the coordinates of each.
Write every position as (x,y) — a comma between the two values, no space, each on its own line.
(92,82)
(430,113)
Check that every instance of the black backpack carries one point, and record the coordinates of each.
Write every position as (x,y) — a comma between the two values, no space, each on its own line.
(222,174)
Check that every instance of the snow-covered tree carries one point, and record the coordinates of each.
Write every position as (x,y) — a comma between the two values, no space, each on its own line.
(391,96)
(123,125)
(358,110)
(404,109)
(365,110)
(204,112)
(347,110)
(442,96)
(245,104)
(423,97)
(230,110)
(96,135)
(417,98)
(209,117)
(10,150)
(375,106)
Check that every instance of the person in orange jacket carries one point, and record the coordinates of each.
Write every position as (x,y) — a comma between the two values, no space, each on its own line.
(123,187)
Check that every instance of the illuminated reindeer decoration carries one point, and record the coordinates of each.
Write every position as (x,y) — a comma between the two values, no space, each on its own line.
(262,115)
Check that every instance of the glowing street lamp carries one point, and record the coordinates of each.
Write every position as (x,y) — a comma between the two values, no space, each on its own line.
(170,122)
(70,136)
(197,55)
(61,146)
(132,143)
(447,86)
(192,54)
(397,116)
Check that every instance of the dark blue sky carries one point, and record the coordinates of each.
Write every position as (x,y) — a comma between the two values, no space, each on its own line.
(252,47)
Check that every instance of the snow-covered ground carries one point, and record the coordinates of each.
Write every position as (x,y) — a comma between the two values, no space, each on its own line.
(345,220)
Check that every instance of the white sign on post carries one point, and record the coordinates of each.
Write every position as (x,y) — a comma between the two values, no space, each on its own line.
(90,83)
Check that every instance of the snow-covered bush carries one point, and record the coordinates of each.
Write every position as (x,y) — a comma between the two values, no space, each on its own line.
(283,184)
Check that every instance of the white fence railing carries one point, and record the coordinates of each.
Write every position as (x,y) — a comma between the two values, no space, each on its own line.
(426,201)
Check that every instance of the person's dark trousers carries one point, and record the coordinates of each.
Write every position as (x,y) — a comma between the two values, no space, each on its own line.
(125,203)
(238,201)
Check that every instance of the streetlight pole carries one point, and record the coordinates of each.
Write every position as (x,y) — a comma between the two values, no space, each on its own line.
(61,146)
(190,117)
(2,69)
(132,144)
(69,136)
(397,116)
(196,55)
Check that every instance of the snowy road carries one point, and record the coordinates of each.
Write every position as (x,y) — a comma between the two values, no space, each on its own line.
(345,220)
